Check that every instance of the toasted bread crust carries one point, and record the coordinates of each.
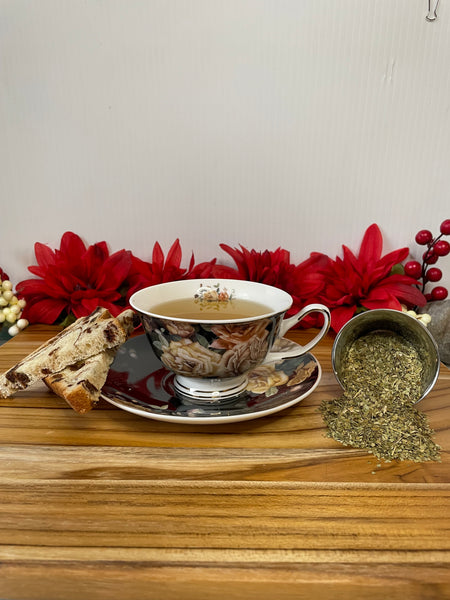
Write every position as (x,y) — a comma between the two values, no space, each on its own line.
(80,384)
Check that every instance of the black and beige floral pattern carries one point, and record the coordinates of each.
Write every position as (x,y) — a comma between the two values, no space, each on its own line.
(216,350)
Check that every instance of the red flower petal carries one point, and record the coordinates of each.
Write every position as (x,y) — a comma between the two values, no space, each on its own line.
(385,264)
(238,258)
(225,272)
(44,255)
(39,271)
(350,261)
(404,292)
(174,255)
(93,263)
(395,257)
(158,257)
(387,302)
(84,307)
(191,263)
(31,287)
(203,270)
(340,316)
(71,243)
(371,246)
(114,270)
(45,311)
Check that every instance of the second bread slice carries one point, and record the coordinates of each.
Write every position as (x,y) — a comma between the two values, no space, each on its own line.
(80,384)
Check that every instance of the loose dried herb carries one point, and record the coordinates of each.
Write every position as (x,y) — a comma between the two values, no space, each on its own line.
(382,378)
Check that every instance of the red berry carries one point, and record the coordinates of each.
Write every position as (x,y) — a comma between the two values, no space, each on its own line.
(424,237)
(413,269)
(428,297)
(441,248)
(429,257)
(445,227)
(439,293)
(434,274)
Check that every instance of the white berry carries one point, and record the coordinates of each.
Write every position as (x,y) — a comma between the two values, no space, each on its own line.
(11,308)
(425,318)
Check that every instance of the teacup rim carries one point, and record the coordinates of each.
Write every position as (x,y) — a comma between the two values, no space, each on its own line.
(210,281)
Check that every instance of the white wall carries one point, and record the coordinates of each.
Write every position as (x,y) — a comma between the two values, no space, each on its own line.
(262,122)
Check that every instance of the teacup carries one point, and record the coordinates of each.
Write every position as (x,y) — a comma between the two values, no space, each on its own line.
(211,332)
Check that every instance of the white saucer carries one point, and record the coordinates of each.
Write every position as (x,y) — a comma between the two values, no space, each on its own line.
(138,383)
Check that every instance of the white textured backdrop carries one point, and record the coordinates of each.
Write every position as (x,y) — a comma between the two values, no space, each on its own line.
(261,122)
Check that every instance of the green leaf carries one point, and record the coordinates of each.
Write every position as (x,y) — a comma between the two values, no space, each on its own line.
(398,269)
(68,320)
(162,339)
(202,340)
(158,345)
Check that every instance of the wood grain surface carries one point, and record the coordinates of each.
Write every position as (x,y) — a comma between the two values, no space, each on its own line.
(111,505)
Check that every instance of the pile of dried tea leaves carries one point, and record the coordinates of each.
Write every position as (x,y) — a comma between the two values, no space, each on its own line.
(377,413)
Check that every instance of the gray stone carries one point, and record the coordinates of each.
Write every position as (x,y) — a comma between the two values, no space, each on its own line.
(440,326)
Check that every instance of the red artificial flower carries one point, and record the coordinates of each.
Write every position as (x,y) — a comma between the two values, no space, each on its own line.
(263,267)
(74,280)
(304,282)
(3,275)
(162,269)
(367,281)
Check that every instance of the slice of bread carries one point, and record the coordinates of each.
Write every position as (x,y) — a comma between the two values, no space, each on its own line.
(86,337)
(80,384)
(129,320)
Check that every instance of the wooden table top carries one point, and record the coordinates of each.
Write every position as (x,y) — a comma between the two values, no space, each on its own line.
(112,505)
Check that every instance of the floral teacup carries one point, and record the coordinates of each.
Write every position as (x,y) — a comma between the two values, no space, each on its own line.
(212,349)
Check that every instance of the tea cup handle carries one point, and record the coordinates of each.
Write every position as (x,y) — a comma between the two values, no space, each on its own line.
(288,323)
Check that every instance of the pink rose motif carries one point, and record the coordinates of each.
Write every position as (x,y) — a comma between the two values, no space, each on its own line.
(265,378)
(243,357)
(179,328)
(191,359)
(230,335)
(302,372)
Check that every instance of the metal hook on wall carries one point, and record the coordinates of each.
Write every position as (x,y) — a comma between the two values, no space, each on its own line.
(432,10)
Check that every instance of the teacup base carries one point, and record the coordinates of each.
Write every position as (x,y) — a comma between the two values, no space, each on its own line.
(210,391)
